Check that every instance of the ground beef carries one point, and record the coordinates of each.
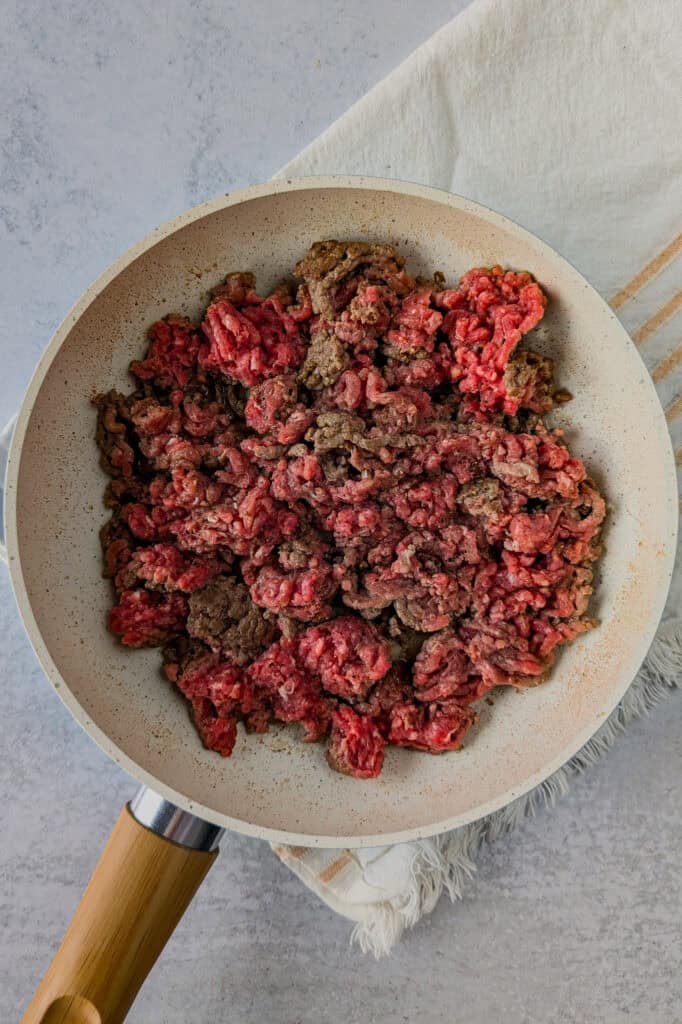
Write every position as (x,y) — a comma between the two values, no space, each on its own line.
(434,728)
(144,619)
(222,615)
(347,654)
(325,361)
(217,733)
(485,320)
(293,694)
(529,380)
(113,435)
(356,746)
(273,409)
(333,271)
(299,582)
(343,509)
(163,567)
(171,359)
(251,344)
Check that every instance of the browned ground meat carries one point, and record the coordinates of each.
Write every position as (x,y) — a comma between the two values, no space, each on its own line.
(325,361)
(223,615)
(342,508)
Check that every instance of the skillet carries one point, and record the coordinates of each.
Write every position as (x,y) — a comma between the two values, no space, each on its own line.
(274,787)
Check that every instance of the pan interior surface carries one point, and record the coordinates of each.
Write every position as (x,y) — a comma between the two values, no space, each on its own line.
(274,785)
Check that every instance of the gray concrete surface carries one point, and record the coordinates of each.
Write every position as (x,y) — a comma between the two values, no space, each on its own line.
(114,121)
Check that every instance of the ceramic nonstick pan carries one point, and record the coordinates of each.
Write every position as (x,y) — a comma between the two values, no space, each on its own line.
(273,787)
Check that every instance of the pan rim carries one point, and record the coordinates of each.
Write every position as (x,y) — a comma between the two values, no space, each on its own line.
(112,749)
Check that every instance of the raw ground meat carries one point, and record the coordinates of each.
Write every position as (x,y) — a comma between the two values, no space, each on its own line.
(341,507)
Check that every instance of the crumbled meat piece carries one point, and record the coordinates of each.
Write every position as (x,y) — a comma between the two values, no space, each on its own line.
(114,434)
(428,504)
(215,607)
(481,497)
(422,580)
(247,637)
(216,733)
(358,389)
(251,524)
(187,488)
(238,288)
(325,361)
(529,380)
(151,522)
(298,583)
(163,567)
(273,409)
(356,746)
(221,682)
(224,617)
(442,669)
(262,451)
(327,267)
(414,327)
(347,654)
(487,316)
(180,653)
(366,317)
(342,507)
(204,418)
(335,430)
(295,696)
(172,355)
(394,688)
(251,344)
(117,544)
(465,663)
(433,728)
(144,619)
(380,443)
(152,418)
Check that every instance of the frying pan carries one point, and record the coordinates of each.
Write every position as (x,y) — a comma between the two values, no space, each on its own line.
(275,787)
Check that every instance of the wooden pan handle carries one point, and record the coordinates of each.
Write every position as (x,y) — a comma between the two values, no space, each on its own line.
(138,892)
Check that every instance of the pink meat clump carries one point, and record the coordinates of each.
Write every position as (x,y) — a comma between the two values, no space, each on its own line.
(220,682)
(415,324)
(217,732)
(293,694)
(171,359)
(434,728)
(273,409)
(356,746)
(347,654)
(251,344)
(299,583)
(165,567)
(250,524)
(144,619)
(340,507)
(485,320)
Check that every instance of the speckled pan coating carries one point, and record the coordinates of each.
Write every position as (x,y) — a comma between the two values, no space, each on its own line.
(278,788)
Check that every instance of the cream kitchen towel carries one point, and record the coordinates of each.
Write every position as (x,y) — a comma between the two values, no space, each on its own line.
(565,117)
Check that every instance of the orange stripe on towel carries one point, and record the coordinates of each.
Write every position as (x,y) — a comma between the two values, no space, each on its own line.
(652,268)
(674,409)
(663,368)
(655,321)
(335,868)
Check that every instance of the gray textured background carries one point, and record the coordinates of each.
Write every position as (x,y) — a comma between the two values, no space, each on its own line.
(114,121)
